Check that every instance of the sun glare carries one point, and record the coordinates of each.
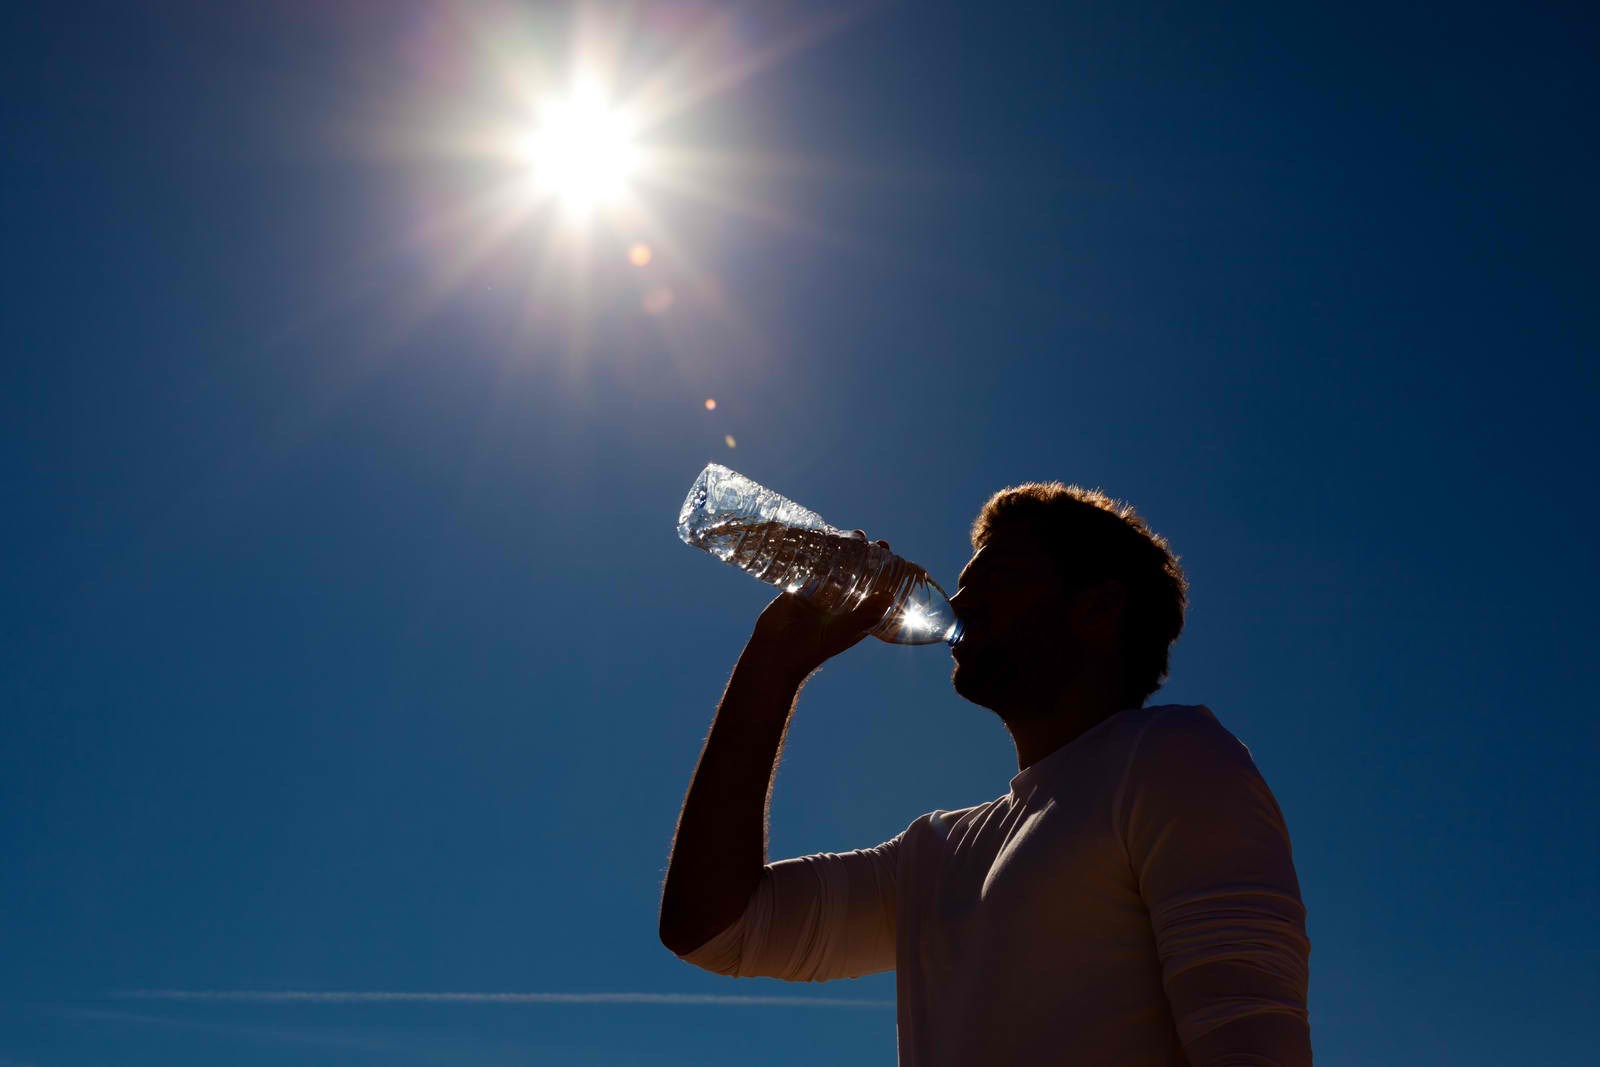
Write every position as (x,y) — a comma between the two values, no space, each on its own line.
(565,164)
(583,150)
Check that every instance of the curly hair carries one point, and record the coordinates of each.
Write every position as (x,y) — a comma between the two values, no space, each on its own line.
(1093,537)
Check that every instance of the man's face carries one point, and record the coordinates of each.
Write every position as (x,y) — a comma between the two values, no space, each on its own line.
(1010,599)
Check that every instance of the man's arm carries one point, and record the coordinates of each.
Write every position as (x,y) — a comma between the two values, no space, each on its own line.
(720,849)
(1261,1039)
(1212,856)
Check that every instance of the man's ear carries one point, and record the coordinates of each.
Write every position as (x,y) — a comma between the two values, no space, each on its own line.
(1097,610)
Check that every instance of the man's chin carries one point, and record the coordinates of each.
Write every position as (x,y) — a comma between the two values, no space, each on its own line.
(990,684)
(973,684)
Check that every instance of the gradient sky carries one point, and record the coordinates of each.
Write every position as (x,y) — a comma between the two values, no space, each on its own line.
(348,646)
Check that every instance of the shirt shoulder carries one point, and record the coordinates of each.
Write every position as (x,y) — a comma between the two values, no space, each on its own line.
(1180,732)
(1186,764)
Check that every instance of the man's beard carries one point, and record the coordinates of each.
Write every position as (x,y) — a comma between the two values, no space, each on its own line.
(970,683)
(992,682)
(1014,692)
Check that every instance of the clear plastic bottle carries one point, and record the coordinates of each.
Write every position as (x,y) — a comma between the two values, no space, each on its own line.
(770,536)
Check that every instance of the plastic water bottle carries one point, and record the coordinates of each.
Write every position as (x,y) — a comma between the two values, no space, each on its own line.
(770,536)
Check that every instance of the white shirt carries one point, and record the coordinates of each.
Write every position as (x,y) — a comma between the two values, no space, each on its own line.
(1047,926)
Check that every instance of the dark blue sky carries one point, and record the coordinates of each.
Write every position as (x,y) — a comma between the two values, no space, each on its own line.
(348,643)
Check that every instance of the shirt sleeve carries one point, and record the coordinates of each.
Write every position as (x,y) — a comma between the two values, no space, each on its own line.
(1209,848)
(812,919)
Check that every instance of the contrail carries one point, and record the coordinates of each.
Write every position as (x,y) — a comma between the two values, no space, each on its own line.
(263,1033)
(303,996)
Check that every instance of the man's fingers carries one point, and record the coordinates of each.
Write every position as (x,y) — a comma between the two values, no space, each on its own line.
(871,610)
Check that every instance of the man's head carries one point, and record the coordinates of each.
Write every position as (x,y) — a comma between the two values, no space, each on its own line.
(1066,587)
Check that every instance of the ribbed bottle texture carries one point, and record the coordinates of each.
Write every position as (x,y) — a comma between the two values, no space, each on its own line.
(770,536)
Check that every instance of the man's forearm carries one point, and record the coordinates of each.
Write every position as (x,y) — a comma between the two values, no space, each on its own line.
(720,847)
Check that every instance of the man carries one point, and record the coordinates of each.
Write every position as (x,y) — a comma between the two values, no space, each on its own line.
(1131,901)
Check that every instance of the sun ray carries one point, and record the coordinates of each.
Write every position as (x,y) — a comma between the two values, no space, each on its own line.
(731,203)
(458,243)
(668,103)
(724,163)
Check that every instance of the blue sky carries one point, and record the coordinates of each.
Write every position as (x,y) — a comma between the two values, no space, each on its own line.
(349,648)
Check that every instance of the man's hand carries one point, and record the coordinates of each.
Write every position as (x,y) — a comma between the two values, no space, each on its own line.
(796,637)
(720,849)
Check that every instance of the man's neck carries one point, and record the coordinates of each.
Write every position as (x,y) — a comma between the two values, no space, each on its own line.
(1069,716)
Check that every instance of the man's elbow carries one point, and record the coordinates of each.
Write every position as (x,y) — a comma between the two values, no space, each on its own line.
(687,936)
(691,921)
(1231,1014)
(1266,1039)
(678,941)
(719,954)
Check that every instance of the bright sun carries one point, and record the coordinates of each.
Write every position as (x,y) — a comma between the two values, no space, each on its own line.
(583,150)
(580,155)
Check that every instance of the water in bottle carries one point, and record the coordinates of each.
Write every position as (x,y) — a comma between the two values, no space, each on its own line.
(767,535)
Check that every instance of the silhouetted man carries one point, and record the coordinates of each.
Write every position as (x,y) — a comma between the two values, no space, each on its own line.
(1131,901)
